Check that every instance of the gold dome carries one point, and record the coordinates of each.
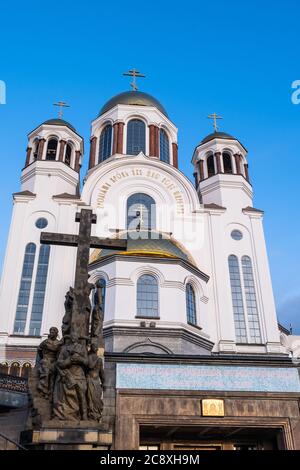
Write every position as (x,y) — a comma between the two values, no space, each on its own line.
(147,243)
(134,98)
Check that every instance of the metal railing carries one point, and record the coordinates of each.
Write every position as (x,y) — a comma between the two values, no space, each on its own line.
(13,384)
(7,441)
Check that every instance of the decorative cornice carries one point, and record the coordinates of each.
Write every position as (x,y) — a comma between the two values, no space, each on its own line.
(214,207)
(214,358)
(224,180)
(66,196)
(252,210)
(146,259)
(24,196)
(24,193)
(119,281)
(195,337)
(42,167)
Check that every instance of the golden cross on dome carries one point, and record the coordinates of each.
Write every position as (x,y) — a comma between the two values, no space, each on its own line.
(61,105)
(134,73)
(215,117)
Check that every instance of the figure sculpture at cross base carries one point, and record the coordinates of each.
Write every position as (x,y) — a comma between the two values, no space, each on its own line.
(76,371)
(95,384)
(46,360)
(70,371)
(69,396)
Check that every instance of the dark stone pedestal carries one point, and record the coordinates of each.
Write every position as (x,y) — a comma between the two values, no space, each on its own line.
(51,438)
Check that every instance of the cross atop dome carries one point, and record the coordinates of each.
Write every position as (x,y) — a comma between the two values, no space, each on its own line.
(61,105)
(134,73)
(215,118)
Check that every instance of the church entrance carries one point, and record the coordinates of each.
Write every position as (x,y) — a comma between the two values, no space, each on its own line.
(210,438)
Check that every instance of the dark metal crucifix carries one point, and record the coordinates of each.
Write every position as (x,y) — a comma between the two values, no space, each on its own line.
(84,242)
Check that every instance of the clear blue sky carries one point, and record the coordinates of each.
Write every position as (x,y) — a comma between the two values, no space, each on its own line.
(236,58)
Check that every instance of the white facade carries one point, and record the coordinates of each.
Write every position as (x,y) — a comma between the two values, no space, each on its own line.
(201,231)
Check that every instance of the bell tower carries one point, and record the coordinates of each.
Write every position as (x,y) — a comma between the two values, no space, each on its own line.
(221,170)
(47,200)
(240,269)
(53,159)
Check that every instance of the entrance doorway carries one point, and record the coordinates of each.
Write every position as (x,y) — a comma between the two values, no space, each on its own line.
(210,438)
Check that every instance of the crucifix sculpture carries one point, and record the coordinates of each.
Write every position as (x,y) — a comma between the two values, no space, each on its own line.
(83,241)
(70,371)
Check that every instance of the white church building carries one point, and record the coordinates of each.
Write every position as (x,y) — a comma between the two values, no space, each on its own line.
(195,279)
(197,263)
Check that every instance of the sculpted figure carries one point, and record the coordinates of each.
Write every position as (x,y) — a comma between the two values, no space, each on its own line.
(97,319)
(46,355)
(95,383)
(86,303)
(69,398)
(66,321)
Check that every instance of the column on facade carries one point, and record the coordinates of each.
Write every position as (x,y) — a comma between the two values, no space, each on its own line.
(195,175)
(61,150)
(246,171)
(115,137)
(218,162)
(201,170)
(41,149)
(175,154)
(92,160)
(153,141)
(120,137)
(156,141)
(77,161)
(28,155)
(237,159)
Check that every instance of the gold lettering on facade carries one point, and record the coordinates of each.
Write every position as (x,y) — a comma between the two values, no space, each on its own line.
(154,175)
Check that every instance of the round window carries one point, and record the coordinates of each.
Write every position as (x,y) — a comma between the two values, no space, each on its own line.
(236,235)
(41,222)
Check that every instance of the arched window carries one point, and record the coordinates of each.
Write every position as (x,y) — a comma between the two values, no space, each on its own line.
(39,291)
(26,368)
(68,154)
(210,166)
(237,300)
(51,149)
(164,147)
(101,283)
(36,149)
(25,287)
(140,212)
(227,163)
(15,369)
(4,368)
(105,143)
(136,137)
(147,296)
(190,305)
(251,303)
